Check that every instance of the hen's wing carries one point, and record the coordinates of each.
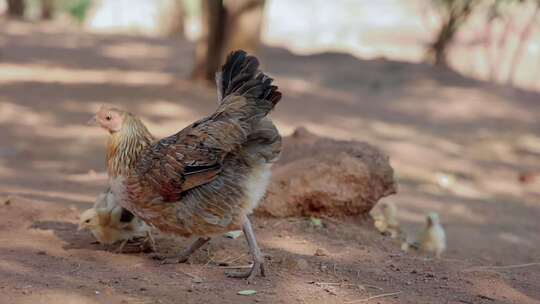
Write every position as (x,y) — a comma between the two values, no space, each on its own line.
(188,159)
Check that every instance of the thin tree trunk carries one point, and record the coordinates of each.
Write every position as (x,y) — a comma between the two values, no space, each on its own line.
(488,50)
(226,26)
(16,8)
(500,47)
(175,26)
(438,49)
(523,38)
(47,8)
(209,48)
(243,28)
(437,53)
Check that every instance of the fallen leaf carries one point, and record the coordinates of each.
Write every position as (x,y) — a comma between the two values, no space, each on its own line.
(247,292)
(233,234)
(197,280)
(316,222)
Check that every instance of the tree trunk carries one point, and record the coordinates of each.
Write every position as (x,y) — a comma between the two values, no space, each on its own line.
(175,26)
(243,27)
(456,17)
(523,39)
(439,48)
(226,26)
(16,8)
(47,8)
(209,47)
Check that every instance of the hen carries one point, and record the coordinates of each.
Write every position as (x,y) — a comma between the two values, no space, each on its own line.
(207,178)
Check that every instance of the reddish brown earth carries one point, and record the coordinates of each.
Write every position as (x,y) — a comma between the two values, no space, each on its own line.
(434,124)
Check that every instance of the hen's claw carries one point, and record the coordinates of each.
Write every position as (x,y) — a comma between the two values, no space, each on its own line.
(258,260)
(184,255)
(250,274)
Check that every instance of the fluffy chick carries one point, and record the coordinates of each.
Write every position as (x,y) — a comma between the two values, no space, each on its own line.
(433,238)
(387,222)
(110,223)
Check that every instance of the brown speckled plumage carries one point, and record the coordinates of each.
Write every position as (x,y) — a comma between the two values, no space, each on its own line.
(206,178)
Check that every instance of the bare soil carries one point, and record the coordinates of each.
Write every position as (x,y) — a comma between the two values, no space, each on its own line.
(457,145)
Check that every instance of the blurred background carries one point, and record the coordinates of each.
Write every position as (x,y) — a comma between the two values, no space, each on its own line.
(449,89)
(493,40)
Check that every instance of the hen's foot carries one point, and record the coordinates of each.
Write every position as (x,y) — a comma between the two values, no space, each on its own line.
(184,255)
(148,244)
(250,274)
(258,260)
(120,248)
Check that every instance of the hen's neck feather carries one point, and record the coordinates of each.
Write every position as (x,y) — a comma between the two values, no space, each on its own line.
(125,146)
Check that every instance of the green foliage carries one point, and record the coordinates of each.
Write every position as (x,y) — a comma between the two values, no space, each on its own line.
(78,9)
(192,7)
(316,222)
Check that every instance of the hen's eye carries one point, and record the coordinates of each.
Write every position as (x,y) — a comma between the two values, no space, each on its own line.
(108,117)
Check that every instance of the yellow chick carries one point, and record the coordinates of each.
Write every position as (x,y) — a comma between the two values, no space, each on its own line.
(433,238)
(387,222)
(110,223)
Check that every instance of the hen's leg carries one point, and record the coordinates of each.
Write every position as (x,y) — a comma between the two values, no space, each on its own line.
(148,244)
(258,259)
(120,248)
(184,255)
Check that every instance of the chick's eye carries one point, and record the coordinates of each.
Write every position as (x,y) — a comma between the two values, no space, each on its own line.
(87,221)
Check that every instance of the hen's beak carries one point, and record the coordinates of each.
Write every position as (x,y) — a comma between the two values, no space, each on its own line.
(92,121)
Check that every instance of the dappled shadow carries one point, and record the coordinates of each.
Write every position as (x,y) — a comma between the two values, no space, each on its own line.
(429,120)
(433,100)
(357,263)
(68,233)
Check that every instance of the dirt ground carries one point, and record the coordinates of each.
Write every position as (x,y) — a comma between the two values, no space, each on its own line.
(457,146)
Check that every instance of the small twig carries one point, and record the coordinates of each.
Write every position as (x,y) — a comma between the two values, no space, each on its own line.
(235,259)
(277,223)
(486,297)
(501,267)
(374,287)
(332,284)
(426,259)
(210,260)
(237,267)
(189,274)
(360,286)
(374,297)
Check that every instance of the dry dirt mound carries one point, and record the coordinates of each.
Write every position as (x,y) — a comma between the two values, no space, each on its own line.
(323,176)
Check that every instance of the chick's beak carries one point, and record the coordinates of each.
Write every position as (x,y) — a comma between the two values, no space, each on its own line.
(92,121)
(79,228)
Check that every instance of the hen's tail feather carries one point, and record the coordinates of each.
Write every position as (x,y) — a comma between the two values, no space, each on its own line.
(240,75)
